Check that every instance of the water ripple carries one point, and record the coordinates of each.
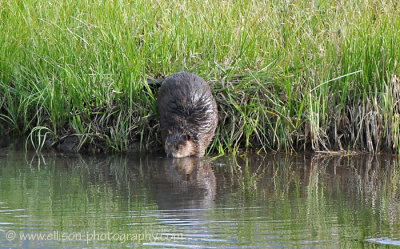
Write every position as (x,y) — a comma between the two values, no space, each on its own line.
(384,241)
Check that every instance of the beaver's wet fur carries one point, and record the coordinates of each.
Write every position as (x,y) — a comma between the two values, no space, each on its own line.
(188,115)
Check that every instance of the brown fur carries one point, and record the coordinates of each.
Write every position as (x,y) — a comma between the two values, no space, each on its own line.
(188,115)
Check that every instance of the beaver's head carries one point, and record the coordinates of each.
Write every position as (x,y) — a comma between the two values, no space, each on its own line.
(180,144)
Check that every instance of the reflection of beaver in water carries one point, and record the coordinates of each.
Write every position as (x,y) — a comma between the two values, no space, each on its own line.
(187,182)
(188,115)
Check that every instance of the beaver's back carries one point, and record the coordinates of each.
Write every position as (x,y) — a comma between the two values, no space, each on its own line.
(185,102)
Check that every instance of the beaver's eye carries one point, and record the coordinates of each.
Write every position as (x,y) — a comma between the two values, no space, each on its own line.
(187,137)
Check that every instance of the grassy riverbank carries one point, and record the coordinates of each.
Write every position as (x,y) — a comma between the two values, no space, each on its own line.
(287,75)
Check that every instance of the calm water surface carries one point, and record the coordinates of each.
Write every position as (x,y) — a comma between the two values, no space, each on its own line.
(269,201)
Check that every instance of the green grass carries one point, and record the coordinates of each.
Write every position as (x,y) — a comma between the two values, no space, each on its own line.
(287,75)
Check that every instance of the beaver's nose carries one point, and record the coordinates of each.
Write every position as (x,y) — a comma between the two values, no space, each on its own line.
(169,154)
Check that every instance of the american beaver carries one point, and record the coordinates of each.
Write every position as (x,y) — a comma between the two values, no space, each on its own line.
(188,115)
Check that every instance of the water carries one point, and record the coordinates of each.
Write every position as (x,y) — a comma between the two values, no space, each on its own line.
(271,201)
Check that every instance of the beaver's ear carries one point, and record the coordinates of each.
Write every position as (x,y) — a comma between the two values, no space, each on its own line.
(170,132)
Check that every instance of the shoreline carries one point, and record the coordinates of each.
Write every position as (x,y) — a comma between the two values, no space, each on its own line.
(72,145)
